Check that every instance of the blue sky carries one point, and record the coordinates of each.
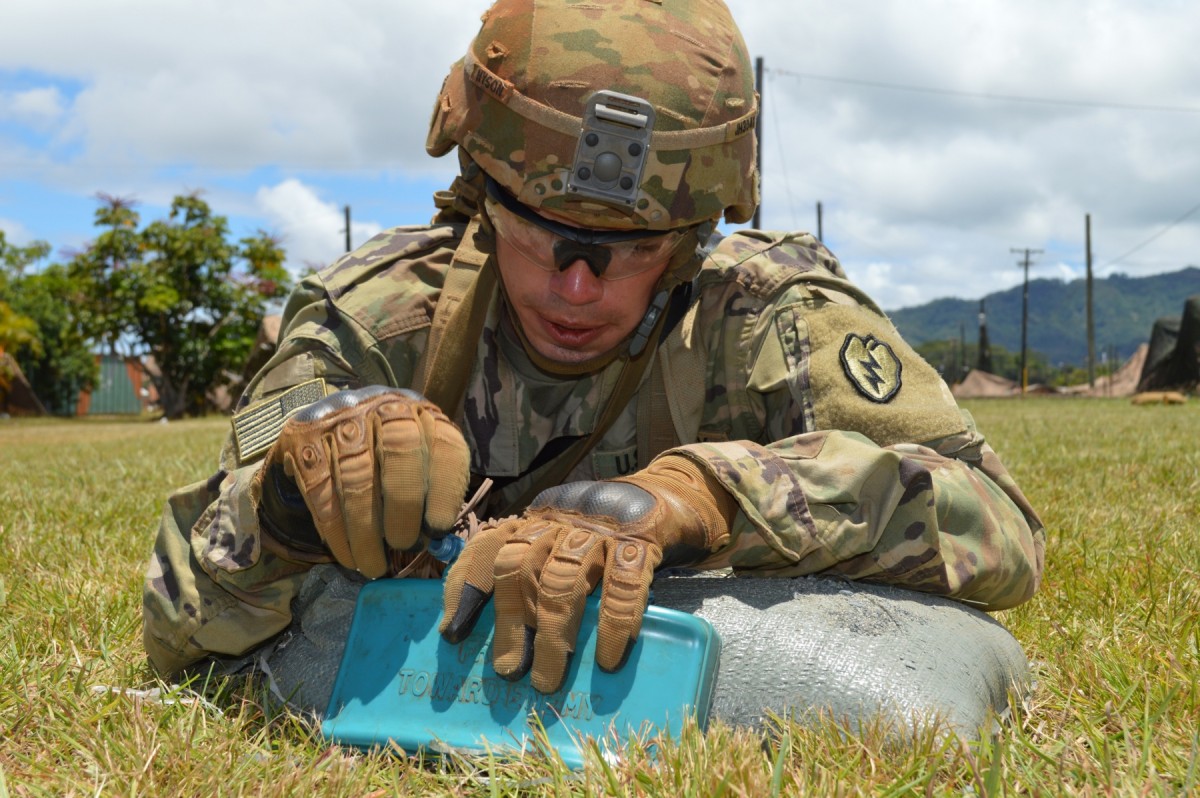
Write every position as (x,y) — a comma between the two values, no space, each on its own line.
(937,136)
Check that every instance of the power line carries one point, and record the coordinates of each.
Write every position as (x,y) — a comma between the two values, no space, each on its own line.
(1120,258)
(1017,98)
(787,183)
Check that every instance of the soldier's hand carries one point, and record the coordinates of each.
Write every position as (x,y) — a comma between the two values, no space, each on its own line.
(542,565)
(374,465)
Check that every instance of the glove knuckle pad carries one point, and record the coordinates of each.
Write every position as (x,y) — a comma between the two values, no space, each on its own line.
(394,406)
(399,434)
(575,543)
(629,555)
(309,458)
(510,557)
(560,576)
(350,434)
(621,501)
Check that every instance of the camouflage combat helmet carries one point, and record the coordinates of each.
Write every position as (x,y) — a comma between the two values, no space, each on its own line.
(623,114)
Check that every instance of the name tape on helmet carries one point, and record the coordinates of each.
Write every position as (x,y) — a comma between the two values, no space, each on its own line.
(490,82)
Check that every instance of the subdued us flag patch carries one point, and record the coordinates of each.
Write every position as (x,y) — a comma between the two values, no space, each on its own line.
(257,427)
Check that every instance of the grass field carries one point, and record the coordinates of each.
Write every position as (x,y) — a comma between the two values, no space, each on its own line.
(1114,636)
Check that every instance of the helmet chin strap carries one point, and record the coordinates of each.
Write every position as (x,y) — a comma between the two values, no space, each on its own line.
(649,322)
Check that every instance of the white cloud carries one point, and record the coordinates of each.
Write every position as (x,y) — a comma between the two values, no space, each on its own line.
(944,185)
(1062,271)
(311,230)
(924,193)
(14,232)
(231,85)
(879,281)
(37,108)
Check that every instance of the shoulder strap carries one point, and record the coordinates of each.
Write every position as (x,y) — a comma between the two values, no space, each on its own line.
(624,391)
(455,331)
(558,469)
(457,326)
(655,432)
(670,418)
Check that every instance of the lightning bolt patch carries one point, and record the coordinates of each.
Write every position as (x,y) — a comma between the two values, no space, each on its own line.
(871,366)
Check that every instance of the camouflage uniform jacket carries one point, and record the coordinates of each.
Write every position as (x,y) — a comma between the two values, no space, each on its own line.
(845,451)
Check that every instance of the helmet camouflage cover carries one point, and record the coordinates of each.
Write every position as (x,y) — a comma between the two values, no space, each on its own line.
(666,85)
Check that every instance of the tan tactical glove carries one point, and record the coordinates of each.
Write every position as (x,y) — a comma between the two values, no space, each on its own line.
(543,564)
(370,466)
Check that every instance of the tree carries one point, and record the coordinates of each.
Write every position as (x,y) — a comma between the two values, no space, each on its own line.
(107,273)
(180,291)
(67,365)
(14,260)
(945,357)
(43,331)
(17,332)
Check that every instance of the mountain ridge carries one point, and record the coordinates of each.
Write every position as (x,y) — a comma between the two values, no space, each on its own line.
(1124,309)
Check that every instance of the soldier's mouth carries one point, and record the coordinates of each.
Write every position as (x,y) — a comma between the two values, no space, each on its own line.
(571,336)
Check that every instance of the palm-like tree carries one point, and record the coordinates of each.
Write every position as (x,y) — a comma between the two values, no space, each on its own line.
(18,332)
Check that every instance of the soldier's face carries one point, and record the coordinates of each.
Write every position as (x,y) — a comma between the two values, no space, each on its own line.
(571,316)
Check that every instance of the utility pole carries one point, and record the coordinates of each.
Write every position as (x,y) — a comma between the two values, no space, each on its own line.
(984,361)
(962,353)
(1112,366)
(758,135)
(347,208)
(1091,330)
(1025,317)
(820,231)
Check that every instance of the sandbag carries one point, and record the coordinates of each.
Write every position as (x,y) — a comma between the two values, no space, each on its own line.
(855,651)
(790,647)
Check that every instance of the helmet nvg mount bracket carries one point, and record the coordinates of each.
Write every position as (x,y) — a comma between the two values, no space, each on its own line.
(612,148)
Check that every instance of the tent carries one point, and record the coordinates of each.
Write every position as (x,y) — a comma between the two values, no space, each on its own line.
(1173,360)
(16,397)
(981,384)
(1123,382)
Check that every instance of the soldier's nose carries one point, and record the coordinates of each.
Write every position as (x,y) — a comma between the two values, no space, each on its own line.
(577,284)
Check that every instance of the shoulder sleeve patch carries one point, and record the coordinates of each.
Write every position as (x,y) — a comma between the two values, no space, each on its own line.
(871,366)
(257,427)
(861,376)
